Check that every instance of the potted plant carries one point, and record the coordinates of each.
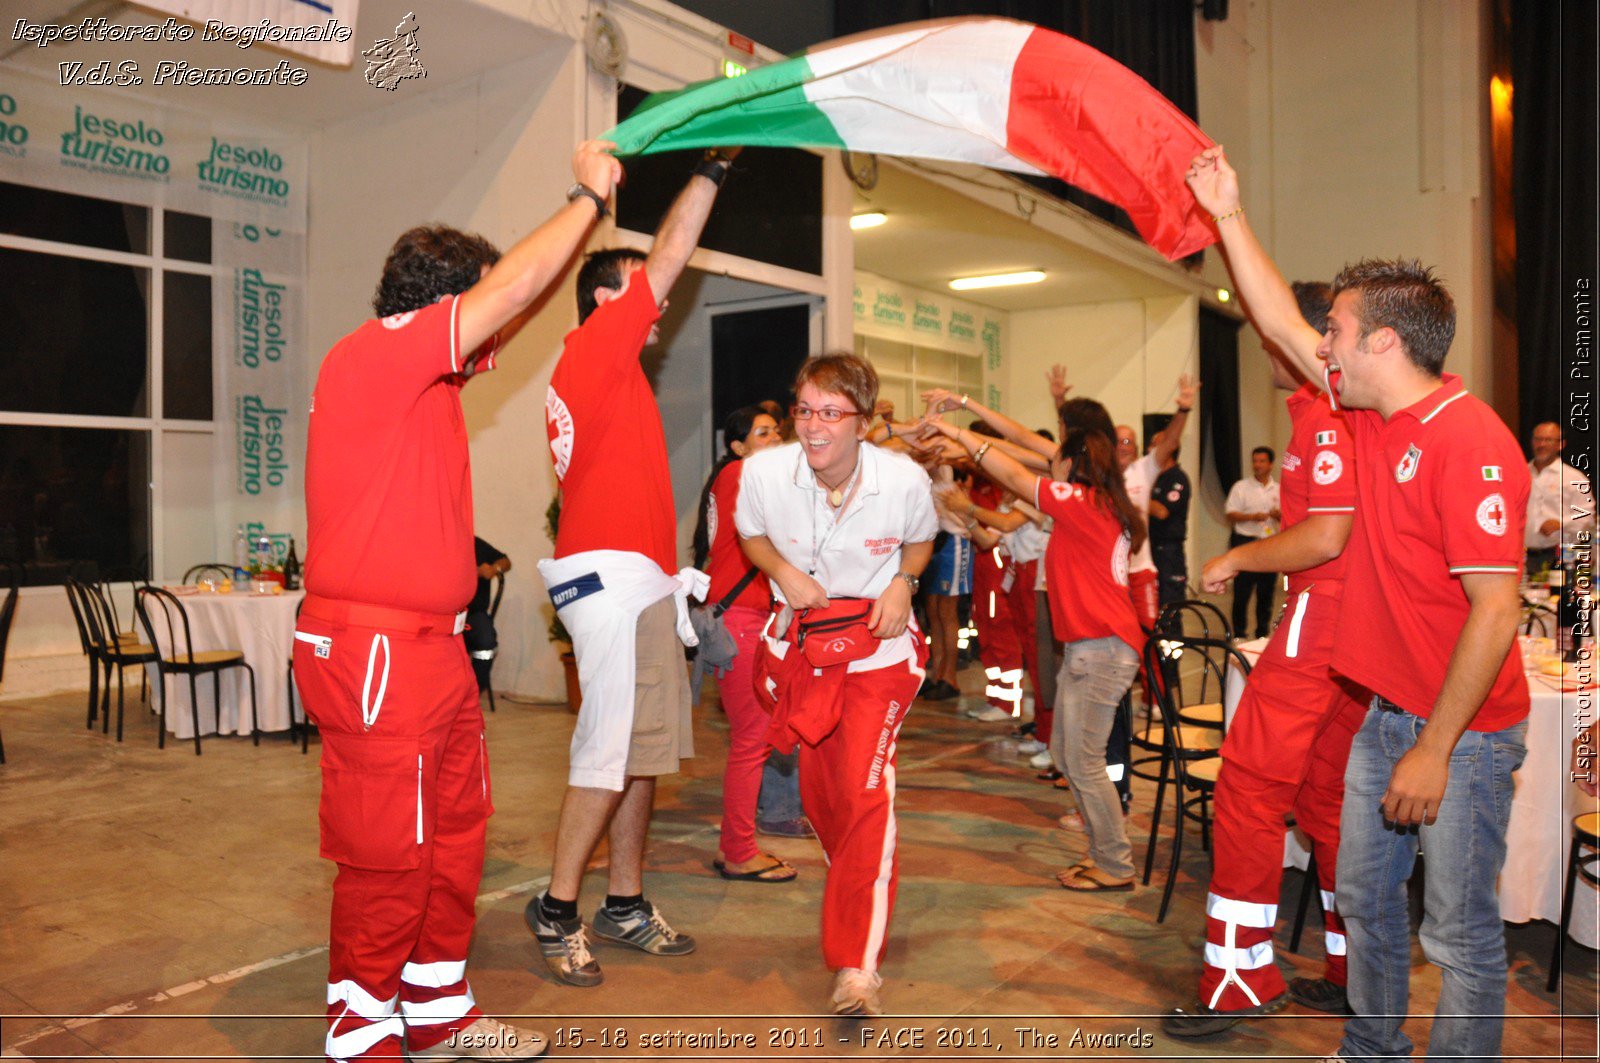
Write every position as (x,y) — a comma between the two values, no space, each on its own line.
(558,630)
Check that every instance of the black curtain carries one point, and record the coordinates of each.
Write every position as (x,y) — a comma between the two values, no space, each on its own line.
(1553,56)
(1153,38)
(1219,383)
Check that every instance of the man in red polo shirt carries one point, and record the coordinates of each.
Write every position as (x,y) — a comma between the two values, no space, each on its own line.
(1428,623)
(378,652)
(1290,737)
(612,585)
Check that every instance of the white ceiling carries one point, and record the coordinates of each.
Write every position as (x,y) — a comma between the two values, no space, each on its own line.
(456,39)
(934,235)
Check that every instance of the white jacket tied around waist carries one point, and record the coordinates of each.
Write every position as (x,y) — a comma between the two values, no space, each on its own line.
(599,595)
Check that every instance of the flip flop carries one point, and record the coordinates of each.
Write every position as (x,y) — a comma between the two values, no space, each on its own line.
(1074,871)
(777,871)
(1091,880)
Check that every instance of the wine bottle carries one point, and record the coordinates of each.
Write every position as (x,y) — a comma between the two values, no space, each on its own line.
(291,568)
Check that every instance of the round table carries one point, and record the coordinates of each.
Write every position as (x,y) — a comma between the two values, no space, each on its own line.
(262,626)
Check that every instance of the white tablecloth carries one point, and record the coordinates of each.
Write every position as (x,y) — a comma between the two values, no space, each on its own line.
(262,625)
(1539,835)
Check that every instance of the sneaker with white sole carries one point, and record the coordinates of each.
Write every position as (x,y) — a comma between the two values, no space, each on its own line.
(1029,747)
(855,992)
(644,929)
(989,713)
(487,1039)
(1041,759)
(564,943)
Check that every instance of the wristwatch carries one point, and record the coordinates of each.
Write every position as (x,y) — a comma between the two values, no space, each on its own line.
(913,582)
(581,189)
(714,167)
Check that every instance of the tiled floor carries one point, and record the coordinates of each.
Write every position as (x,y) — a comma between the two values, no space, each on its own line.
(179,901)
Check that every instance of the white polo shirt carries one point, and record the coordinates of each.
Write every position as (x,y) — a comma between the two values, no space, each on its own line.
(1137,479)
(853,553)
(1546,502)
(1252,496)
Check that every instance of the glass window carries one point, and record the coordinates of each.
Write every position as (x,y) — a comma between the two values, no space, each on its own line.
(186,347)
(73,335)
(186,236)
(74,499)
(88,222)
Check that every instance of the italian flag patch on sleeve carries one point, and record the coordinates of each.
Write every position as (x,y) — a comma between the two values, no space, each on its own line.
(1491,472)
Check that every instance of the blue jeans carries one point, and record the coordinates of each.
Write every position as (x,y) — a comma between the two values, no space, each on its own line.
(780,789)
(1461,932)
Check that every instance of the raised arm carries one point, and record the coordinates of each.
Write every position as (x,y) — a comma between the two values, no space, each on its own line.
(1267,297)
(993,463)
(679,233)
(525,271)
(941,400)
(1165,444)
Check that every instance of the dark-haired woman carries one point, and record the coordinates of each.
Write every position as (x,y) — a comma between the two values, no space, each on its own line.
(1094,527)
(716,550)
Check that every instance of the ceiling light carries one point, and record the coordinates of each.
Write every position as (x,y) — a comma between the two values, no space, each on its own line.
(1223,295)
(997,280)
(870,220)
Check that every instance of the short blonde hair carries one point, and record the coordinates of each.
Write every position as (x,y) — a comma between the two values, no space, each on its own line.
(844,374)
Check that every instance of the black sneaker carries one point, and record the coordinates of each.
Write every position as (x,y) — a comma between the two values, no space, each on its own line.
(643,928)
(799,827)
(564,943)
(1201,1021)
(1319,994)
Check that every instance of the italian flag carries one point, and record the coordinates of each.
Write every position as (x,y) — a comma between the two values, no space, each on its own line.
(989,91)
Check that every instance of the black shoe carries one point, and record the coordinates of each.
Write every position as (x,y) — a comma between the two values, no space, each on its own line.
(1024,730)
(1319,994)
(940,691)
(1201,1021)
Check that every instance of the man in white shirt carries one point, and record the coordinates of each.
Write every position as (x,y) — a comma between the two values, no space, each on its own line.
(1252,509)
(1561,503)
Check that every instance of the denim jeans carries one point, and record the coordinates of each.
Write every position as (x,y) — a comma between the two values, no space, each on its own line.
(1461,932)
(1095,673)
(780,789)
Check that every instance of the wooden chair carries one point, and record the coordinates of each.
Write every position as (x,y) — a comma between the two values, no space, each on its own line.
(155,604)
(1585,835)
(112,649)
(1190,752)
(211,568)
(8,613)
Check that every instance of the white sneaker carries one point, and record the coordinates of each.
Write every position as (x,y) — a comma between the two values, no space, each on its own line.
(1029,747)
(1041,760)
(855,992)
(989,713)
(488,1039)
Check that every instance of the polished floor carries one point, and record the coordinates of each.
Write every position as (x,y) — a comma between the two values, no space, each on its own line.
(163,906)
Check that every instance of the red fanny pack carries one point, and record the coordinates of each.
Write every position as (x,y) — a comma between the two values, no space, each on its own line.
(837,634)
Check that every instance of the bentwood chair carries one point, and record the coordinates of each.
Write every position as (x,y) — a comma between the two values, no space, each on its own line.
(1538,620)
(1585,835)
(1191,753)
(8,613)
(160,610)
(494,611)
(113,650)
(1176,623)
(210,568)
(304,725)
(90,649)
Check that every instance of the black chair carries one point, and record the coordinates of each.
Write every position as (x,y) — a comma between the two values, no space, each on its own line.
(112,649)
(155,604)
(125,635)
(305,725)
(1585,835)
(494,611)
(8,613)
(90,649)
(1190,752)
(210,568)
(1539,620)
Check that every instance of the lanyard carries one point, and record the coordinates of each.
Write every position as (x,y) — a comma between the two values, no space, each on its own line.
(818,545)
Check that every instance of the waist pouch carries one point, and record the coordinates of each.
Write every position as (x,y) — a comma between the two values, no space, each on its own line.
(837,634)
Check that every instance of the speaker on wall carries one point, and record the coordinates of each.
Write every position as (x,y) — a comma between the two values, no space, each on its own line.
(1214,10)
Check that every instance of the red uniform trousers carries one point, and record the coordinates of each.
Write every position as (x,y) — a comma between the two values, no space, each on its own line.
(747,736)
(1285,752)
(847,785)
(405,797)
(998,646)
(1144,590)
(1023,607)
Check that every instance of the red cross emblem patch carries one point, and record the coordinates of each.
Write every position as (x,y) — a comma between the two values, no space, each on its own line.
(1492,514)
(1408,464)
(1327,467)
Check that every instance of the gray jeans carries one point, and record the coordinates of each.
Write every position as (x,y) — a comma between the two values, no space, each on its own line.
(1095,673)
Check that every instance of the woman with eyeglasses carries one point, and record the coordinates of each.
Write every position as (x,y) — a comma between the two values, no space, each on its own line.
(740,593)
(843,531)
(1095,526)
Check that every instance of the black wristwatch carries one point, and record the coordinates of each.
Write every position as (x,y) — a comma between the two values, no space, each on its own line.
(581,189)
(714,168)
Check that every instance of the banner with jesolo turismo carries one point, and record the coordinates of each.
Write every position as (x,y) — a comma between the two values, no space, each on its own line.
(251,182)
(890,310)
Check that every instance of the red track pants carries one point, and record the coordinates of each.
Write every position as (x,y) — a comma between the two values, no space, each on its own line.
(998,646)
(847,786)
(1285,752)
(1023,606)
(405,797)
(747,736)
